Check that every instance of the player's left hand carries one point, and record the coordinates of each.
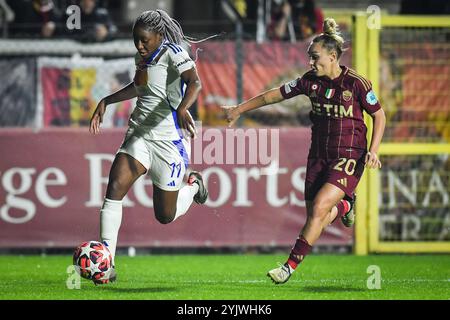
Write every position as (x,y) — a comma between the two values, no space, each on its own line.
(231,114)
(97,117)
(372,160)
(186,123)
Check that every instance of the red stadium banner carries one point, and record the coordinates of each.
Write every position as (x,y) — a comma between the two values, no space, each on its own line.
(52,185)
(69,90)
(264,66)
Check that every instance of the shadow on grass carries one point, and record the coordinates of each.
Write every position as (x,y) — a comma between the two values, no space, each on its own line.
(141,290)
(323,289)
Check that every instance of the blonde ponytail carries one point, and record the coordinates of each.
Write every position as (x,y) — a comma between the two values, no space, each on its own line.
(331,37)
(331,28)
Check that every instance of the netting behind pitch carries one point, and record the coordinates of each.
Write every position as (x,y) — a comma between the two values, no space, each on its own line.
(415,93)
(415,83)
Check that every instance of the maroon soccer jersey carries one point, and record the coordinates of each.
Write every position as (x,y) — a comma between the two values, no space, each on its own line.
(337,111)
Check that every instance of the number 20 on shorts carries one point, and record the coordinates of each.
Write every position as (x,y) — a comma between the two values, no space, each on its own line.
(346,165)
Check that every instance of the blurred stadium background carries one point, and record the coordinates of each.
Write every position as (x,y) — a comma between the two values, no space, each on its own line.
(53,174)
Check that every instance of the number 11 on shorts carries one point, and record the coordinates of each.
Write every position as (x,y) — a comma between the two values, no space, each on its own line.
(175,167)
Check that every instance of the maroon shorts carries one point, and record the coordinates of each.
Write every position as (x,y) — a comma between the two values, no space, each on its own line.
(344,172)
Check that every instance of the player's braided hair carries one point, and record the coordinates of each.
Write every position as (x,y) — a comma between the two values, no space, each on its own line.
(160,22)
(331,38)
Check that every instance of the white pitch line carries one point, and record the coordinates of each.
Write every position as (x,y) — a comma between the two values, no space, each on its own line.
(316,281)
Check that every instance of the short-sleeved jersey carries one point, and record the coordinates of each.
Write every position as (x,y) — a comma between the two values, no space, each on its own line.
(160,90)
(337,110)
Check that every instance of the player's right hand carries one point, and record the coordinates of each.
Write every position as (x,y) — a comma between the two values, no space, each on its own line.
(97,117)
(372,161)
(231,114)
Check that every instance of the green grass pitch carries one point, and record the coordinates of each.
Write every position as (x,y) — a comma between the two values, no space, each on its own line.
(233,277)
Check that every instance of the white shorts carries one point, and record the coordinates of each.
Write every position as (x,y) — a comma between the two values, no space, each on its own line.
(166,161)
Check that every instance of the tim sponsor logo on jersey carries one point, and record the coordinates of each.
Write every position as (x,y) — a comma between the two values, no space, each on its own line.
(330,110)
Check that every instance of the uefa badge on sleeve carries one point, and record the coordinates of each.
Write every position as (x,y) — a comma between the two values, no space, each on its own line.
(293,83)
(371,98)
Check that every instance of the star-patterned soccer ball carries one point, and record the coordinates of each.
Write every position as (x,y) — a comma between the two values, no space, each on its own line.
(93,261)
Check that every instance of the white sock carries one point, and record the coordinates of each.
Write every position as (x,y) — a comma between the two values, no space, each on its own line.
(185,198)
(110,220)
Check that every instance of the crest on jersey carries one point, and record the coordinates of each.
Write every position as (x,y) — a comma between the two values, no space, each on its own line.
(347,95)
(371,98)
(329,93)
(314,86)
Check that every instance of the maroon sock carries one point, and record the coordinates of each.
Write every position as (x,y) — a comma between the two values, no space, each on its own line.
(298,252)
(343,207)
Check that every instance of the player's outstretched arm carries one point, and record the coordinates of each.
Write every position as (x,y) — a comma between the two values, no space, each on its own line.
(379,122)
(193,87)
(233,113)
(126,93)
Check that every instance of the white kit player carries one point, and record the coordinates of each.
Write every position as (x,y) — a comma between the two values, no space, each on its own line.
(166,84)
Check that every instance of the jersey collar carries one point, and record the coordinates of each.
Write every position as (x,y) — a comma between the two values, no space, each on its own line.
(339,78)
(155,53)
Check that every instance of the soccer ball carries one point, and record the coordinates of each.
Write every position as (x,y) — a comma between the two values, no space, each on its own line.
(93,261)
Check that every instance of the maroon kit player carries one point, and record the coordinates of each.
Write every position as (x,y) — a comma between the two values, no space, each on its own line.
(338,152)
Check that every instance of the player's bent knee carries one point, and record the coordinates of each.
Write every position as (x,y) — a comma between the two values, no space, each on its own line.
(164,219)
(164,216)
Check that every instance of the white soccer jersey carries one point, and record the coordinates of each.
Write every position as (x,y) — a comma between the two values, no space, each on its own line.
(160,90)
